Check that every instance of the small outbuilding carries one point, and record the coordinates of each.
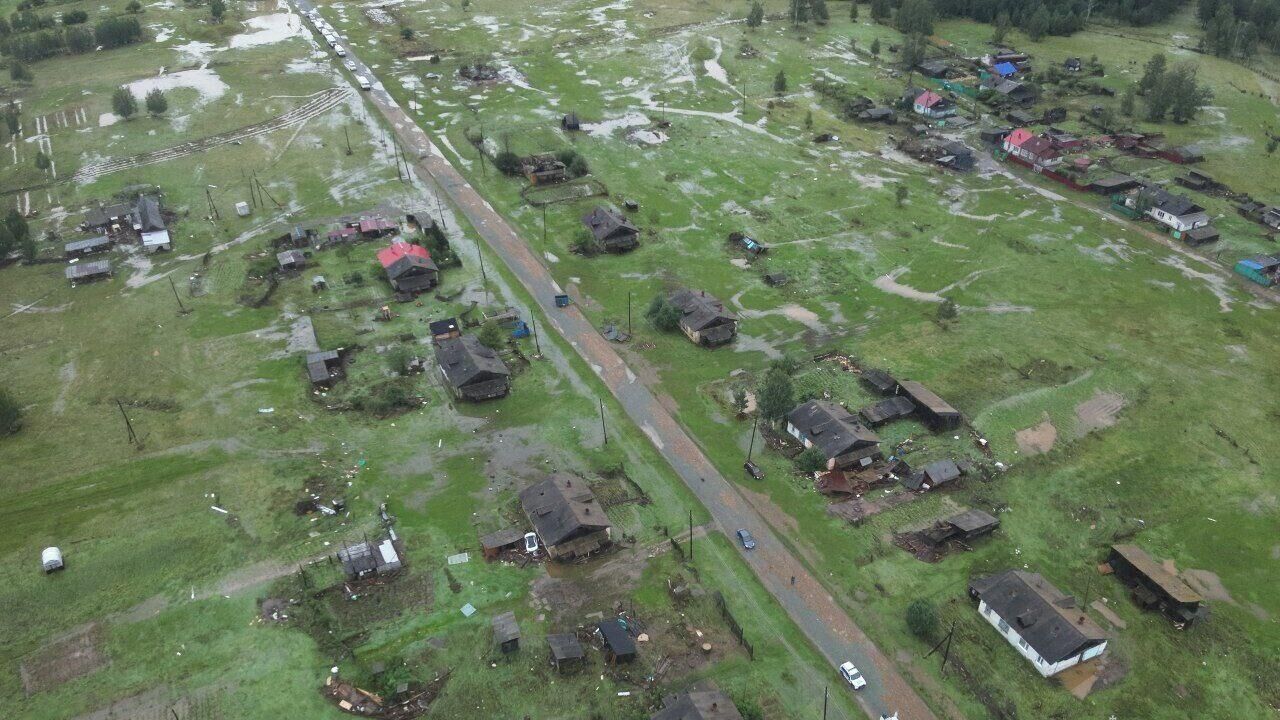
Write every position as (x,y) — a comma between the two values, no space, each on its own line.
(703,318)
(472,371)
(565,650)
(619,646)
(367,559)
(705,702)
(88,271)
(1202,235)
(887,410)
(933,68)
(495,543)
(324,367)
(445,329)
(933,410)
(879,381)
(88,246)
(612,231)
(776,279)
(932,476)
(1152,585)
(291,260)
(506,632)
(571,122)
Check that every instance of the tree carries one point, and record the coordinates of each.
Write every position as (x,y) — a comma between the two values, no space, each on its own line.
(1126,101)
(577,167)
(466,5)
(947,310)
(7,242)
(739,399)
(42,160)
(18,72)
(134,7)
(1186,95)
(217,9)
(853,11)
(493,335)
(922,619)
(124,103)
(799,11)
(17,226)
(881,10)
(156,102)
(900,193)
(79,40)
(915,17)
(780,82)
(755,17)
(875,47)
(1219,34)
(1152,73)
(1002,27)
(776,396)
(663,315)
(913,49)
(507,162)
(12,119)
(1040,24)
(808,120)
(820,13)
(28,248)
(406,33)
(811,460)
(74,17)
(10,414)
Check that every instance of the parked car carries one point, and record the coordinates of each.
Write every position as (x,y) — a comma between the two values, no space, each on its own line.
(850,673)
(531,543)
(350,65)
(748,542)
(363,82)
(339,51)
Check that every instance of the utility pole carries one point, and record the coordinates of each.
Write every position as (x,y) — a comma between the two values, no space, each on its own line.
(752,446)
(603,431)
(213,209)
(544,222)
(346,137)
(533,325)
(484,279)
(181,310)
(826,691)
(628,312)
(691,536)
(133,436)
(946,652)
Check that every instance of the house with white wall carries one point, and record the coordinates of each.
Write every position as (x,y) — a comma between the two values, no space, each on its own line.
(1177,212)
(1040,621)
(837,433)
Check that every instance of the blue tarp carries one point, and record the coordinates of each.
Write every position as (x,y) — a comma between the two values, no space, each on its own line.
(1005,69)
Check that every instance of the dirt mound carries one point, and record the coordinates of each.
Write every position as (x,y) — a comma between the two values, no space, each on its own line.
(1207,584)
(1038,439)
(1098,412)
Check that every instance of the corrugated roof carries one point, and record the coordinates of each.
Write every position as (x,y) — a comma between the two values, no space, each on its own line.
(700,310)
(561,507)
(925,397)
(1034,608)
(464,359)
(832,429)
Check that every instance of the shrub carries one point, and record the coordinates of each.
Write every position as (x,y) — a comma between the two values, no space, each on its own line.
(10,414)
(663,315)
(492,335)
(507,162)
(922,619)
(811,460)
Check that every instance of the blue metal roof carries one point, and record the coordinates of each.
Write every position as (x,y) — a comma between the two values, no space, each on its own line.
(1005,69)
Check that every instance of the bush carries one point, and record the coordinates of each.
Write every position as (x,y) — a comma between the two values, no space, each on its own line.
(10,414)
(922,619)
(388,398)
(811,460)
(75,17)
(663,315)
(492,335)
(507,162)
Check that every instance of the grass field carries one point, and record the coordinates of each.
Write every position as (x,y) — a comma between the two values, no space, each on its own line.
(159,609)
(1060,303)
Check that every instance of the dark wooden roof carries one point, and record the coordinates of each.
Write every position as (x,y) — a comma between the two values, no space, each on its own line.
(505,628)
(561,507)
(699,704)
(832,429)
(972,520)
(464,359)
(700,310)
(1039,612)
(924,397)
(616,637)
(565,646)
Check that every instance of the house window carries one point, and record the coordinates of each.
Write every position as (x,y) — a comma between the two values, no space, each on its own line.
(1004,626)
(1023,643)
(986,609)
(1039,660)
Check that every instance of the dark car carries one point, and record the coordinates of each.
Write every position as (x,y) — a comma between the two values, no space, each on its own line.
(748,542)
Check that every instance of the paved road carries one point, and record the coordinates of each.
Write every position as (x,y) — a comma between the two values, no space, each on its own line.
(810,606)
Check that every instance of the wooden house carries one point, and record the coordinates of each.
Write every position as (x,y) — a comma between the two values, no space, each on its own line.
(703,318)
(704,702)
(409,267)
(1040,621)
(506,632)
(932,105)
(324,367)
(611,230)
(88,271)
(933,410)
(565,650)
(471,371)
(619,646)
(837,433)
(569,520)
(88,246)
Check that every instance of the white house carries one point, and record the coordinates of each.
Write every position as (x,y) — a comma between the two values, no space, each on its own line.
(1038,620)
(1178,212)
(932,105)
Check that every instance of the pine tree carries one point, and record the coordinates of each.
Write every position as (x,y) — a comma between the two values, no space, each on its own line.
(18,72)
(1126,101)
(915,17)
(1002,27)
(881,10)
(820,13)
(756,16)
(124,103)
(776,396)
(1152,73)
(1187,95)
(42,160)
(875,47)
(900,194)
(156,102)
(780,82)
(853,11)
(217,9)
(1040,24)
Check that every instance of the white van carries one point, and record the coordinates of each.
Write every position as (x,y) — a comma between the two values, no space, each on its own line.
(339,51)
(333,41)
(363,82)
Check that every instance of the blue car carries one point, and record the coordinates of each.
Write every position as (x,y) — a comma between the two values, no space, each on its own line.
(748,542)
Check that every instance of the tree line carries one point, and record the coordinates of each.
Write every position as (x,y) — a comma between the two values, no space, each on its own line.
(26,39)
(1238,28)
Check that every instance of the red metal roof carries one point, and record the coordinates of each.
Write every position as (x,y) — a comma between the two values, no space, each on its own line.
(1019,136)
(928,99)
(399,249)
(374,224)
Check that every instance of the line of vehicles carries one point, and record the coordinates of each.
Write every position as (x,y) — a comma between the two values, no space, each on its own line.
(331,37)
